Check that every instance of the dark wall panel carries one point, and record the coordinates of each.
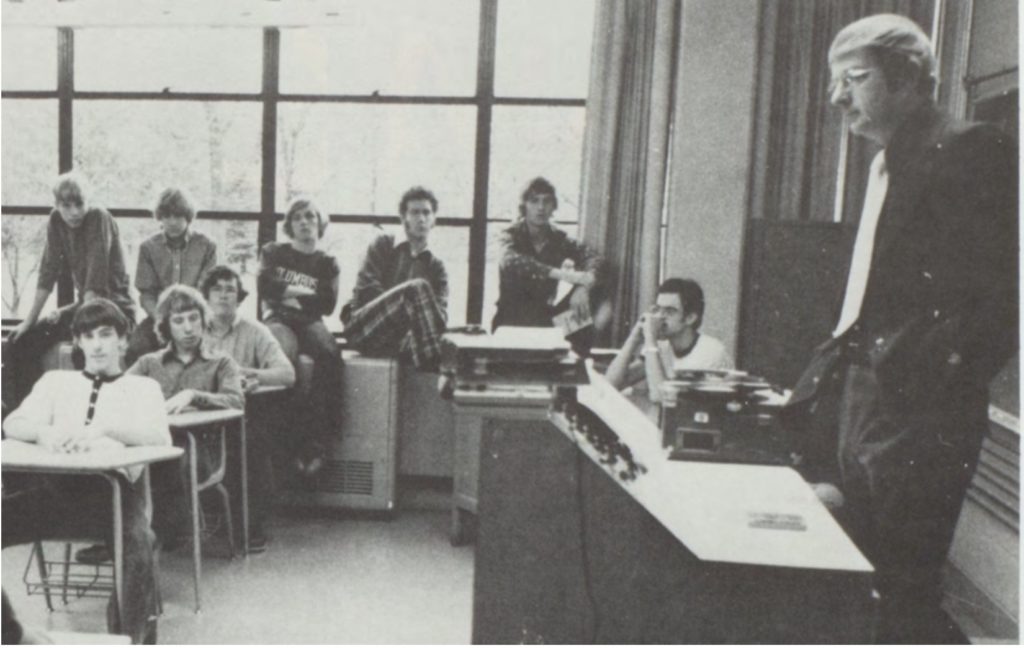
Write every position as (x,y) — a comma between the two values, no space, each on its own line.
(793,279)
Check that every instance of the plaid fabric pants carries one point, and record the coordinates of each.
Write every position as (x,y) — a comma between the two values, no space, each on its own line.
(404,320)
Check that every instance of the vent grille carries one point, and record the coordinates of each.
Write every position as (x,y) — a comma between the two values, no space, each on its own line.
(996,485)
(348,477)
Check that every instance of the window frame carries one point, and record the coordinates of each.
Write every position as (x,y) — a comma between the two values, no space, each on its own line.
(269,98)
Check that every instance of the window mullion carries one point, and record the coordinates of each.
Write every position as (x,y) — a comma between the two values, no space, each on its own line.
(482,162)
(65,140)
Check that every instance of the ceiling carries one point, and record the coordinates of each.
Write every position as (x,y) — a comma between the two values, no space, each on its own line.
(180,13)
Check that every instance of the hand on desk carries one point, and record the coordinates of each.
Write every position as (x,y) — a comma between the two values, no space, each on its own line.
(250,381)
(829,495)
(88,438)
(180,402)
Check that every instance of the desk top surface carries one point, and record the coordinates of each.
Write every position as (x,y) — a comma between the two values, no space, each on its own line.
(203,417)
(734,513)
(19,455)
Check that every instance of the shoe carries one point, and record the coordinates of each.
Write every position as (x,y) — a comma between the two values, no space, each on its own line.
(175,542)
(94,555)
(446,386)
(310,460)
(307,469)
(257,542)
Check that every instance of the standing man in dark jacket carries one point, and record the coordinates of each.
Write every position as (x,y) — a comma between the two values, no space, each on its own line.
(893,408)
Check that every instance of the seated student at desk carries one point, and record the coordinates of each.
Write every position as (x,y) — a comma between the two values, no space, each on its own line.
(96,409)
(400,302)
(262,363)
(673,324)
(190,377)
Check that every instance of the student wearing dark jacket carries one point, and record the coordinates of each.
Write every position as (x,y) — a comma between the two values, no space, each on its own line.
(400,302)
(535,257)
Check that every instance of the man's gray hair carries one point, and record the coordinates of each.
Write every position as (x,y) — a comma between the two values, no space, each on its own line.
(887,33)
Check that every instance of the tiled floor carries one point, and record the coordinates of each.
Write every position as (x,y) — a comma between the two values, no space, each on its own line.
(342,579)
(338,579)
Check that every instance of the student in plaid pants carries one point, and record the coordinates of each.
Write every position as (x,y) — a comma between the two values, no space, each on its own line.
(400,303)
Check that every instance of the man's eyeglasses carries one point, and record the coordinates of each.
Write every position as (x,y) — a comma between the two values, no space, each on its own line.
(851,77)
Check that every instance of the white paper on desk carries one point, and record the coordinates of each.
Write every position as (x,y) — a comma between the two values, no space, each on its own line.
(519,337)
(570,322)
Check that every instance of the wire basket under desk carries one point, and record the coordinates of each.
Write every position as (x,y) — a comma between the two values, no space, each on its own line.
(66,577)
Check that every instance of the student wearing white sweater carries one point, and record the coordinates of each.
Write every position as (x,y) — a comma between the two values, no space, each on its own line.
(95,410)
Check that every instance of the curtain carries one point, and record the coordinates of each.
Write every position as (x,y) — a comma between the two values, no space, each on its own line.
(625,149)
(800,148)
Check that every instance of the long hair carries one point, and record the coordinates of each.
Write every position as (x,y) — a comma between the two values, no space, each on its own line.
(178,298)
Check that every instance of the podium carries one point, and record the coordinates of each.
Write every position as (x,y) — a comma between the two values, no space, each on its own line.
(574,546)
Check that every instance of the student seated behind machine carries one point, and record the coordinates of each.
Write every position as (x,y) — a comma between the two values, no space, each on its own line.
(93,410)
(400,303)
(671,329)
(535,257)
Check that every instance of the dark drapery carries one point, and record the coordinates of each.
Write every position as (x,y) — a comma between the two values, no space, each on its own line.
(799,146)
(625,151)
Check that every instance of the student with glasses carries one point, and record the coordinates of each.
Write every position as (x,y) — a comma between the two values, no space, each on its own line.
(262,363)
(673,322)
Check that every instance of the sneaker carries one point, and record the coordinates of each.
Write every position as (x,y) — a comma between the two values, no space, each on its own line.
(446,386)
(94,555)
(175,542)
(257,542)
(310,460)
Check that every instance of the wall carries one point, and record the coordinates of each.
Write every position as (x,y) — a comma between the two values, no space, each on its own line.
(711,153)
(986,549)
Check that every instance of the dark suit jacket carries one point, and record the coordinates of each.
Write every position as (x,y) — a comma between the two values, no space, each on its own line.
(939,316)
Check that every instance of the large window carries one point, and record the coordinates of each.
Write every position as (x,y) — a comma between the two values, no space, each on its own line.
(397,93)
(388,47)
(359,159)
(29,152)
(131,151)
(175,59)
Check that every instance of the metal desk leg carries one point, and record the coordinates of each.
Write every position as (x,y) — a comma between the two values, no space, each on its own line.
(193,488)
(245,487)
(115,488)
(147,487)
(37,549)
(67,576)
